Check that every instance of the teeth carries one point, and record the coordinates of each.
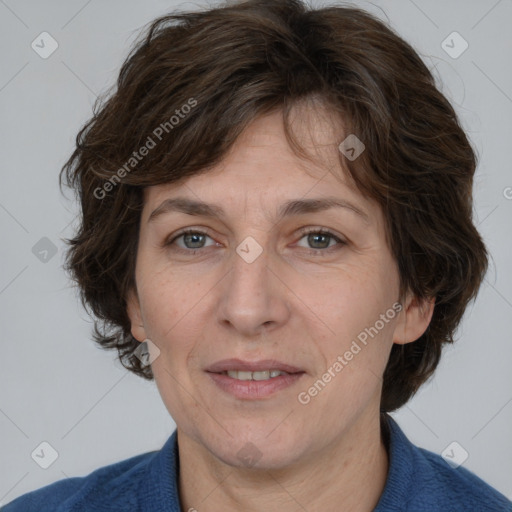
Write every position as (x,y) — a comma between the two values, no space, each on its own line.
(264,375)
(261,375)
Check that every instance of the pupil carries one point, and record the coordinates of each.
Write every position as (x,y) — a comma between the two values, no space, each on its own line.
(312,238)
(189,236)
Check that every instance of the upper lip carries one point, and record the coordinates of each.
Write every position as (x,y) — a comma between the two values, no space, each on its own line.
(251,366)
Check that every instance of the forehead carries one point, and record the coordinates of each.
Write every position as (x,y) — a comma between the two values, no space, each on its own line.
(262,175)
(261,168)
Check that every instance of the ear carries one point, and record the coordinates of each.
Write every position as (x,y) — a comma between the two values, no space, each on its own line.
(413,319)
(134,313)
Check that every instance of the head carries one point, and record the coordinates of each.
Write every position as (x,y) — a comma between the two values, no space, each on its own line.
(247,107)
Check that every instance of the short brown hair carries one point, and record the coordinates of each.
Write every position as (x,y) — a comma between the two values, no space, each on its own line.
(238,61)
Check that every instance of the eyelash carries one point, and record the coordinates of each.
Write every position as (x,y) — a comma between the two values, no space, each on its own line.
(303,233)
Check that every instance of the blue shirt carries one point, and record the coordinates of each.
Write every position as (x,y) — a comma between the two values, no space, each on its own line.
(418,480)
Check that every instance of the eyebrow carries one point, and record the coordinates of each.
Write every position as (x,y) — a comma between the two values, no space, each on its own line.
(290,208)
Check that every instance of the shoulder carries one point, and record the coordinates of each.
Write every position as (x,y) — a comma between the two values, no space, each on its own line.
(452,488)
(420,480)
(118,481)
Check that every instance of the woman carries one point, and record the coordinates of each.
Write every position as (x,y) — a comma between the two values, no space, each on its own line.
(276,226)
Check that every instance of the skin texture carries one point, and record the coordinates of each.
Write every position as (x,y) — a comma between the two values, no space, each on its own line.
(302,301)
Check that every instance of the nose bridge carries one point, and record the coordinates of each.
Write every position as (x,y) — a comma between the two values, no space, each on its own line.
(249,276)
(251,296)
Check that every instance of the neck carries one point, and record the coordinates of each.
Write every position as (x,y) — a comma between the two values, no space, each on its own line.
(349,475)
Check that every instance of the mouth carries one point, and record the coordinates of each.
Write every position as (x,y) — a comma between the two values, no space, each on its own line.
(260,375)
(264,365)
(253,379)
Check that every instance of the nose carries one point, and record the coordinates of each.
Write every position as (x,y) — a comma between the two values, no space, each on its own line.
(253,299)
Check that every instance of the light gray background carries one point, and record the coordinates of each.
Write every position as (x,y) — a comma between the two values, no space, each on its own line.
(56,386)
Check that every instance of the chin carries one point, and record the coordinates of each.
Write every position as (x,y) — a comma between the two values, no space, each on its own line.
(256,449)
(250,456)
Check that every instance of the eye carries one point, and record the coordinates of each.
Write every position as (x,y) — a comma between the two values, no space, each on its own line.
(192,239)
(320,240)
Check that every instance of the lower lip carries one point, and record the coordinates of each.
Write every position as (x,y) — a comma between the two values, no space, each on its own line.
(254,389)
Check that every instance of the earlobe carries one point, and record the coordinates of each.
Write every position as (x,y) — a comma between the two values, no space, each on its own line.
(134,313)
(413,320)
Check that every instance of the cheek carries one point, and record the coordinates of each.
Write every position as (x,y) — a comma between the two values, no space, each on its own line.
(357,310)
(352,298)
(166,308)
(166,296)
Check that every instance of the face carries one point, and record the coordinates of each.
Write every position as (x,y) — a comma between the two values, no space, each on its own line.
(307,292)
